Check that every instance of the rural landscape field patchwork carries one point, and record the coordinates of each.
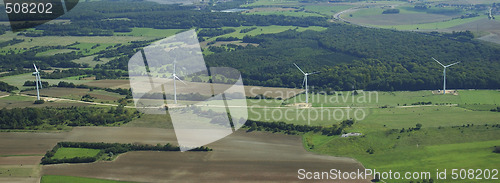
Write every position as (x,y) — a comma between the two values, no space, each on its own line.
(250,91)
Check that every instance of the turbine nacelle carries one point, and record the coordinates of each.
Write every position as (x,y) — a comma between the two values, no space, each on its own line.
(444,72)
(38,82)
(304,82)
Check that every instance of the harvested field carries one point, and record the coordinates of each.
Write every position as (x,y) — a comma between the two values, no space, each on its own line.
(9,104)
(110,83)
(191,87)
(399,19)
(269,9)
(26,143)
(241,157)
(20,160)
(134,135)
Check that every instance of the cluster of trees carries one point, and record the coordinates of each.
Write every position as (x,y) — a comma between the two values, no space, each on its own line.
(6,87)
(363,58)
(247,29)
(495,109)
(45,84)
(26,59)
(11,42)
(227,39)
(391,11)
(292,129)
(215,32)
(31,118)
(422,103)
(107,148)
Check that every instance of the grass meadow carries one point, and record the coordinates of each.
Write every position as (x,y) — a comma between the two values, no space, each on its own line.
(264,30)
(424,150)
(68,152)
(61,178)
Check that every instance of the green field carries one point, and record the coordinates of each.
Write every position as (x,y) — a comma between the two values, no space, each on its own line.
(398,98)
(54,52)
(429,26)
(68,152)
(264,30)
(86,48)
(272,3)
(326,10)
(150,32)
(424,150)
(286,13)
(61,178)
(56,41)
(18,80)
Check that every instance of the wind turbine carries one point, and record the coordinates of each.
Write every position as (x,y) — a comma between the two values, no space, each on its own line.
(37,80)
(305,80)
(444,73)
(174,76)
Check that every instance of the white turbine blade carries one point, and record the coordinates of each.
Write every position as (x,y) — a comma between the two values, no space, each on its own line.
(39,80)
(304,82)
(314,72)
(174,66)
(35,67)
(437,61)
(452,64)
(299,68)
(175,77)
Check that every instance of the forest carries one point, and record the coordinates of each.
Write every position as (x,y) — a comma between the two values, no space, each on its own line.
(351,57)
(103,18)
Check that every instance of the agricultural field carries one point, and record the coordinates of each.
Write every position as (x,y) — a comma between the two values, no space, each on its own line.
(77,94)
(427,149)
(60,178)
(56,41)
(262,30)
(18,80)
(68,153)
(273,155)
(410,18)
(150,32)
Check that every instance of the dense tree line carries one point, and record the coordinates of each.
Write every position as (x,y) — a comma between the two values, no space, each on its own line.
(335,129)
(30,118)
(364,58)
(11,42)
(99,73)
(45,84)
(6,87)
(215,32)
(106,148)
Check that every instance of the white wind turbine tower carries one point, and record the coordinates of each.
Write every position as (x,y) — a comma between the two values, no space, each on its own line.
(444,73)
(174,76)
(37,81)
(305,81)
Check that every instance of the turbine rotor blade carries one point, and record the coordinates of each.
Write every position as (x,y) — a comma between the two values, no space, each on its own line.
(39,80)
(175,77)
(304,81)
(314,72)
(299,69)
(452,64)
(35,67)
(438,62)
